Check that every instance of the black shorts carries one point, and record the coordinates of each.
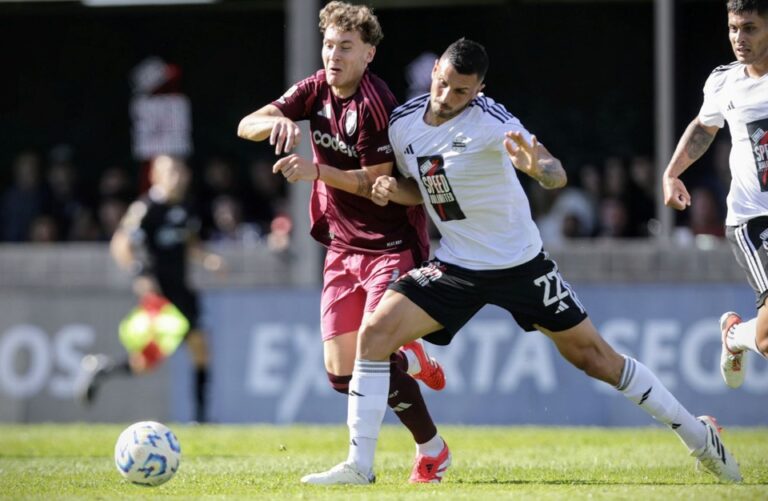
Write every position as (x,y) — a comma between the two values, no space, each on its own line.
(533,292)
(184,299)
(749,245)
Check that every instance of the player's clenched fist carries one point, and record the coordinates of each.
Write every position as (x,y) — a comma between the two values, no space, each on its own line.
(383,188)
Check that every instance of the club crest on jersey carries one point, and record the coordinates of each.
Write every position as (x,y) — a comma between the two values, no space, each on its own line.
(350,122)
(459,143)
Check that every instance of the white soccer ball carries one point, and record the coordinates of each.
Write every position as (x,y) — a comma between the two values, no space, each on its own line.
(147,453)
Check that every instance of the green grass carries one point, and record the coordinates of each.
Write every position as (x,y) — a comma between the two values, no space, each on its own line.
(58,461)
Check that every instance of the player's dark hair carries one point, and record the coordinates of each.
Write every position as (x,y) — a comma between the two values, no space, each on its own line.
(348,17)
(467,57)
(744,6)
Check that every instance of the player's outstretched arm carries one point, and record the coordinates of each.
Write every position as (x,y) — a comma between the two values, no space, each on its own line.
(387,189)
(692,145)
(535,160)
(269,122)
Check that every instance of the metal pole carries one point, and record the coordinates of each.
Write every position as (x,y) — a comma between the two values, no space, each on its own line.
(664,48)
(302,44)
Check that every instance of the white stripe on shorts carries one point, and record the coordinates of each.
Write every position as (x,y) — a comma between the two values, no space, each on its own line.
(752,258)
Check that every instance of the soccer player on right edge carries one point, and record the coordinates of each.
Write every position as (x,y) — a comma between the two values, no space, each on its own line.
(737,93)
(458,151)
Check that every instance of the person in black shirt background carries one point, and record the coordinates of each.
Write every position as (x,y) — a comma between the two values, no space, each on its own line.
(154,240)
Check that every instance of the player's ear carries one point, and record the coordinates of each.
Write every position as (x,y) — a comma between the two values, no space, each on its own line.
(370,54)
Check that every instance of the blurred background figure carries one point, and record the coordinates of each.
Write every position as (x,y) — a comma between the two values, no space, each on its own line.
(24,200)
(418,74)
(268,194)
(228,224)
(153,242)
(64,202)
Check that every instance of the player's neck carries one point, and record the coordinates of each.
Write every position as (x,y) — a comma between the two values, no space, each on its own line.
(346,91)
(757,70)
(432,119)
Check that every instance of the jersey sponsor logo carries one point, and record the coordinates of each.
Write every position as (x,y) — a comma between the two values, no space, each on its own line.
(759,139)
(350,122)
(426,274)
(438,188)
(333,142)
(764,238)
(459,143)
(387,148)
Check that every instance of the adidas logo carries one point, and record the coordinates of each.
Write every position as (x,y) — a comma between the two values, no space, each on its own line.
(409,150)
(561,307)
(353,393)
(730,106)
(645,396)
(401,407)
(325,112)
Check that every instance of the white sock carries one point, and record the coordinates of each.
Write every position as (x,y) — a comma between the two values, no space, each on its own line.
(641,386)
(432,447)
(367,403)
(414,367)
(743,336)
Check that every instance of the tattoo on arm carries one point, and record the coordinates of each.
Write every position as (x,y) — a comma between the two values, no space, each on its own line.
(698,142)
(364,184)
(551,174)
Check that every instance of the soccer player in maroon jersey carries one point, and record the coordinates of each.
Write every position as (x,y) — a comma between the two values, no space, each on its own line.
(368,245)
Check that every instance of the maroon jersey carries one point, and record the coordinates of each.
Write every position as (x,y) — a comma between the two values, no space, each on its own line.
(349,133)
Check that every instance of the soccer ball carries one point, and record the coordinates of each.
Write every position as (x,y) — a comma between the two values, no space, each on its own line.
(147,453)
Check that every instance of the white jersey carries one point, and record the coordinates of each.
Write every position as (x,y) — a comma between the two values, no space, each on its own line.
(468,183)
(733,96)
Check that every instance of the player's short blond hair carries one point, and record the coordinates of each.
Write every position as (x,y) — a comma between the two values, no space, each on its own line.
(348,17)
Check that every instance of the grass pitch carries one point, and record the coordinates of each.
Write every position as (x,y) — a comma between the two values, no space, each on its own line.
(59,461)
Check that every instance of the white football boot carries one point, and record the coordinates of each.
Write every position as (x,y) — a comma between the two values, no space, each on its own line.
(732,363)
(341,474)
(713,456)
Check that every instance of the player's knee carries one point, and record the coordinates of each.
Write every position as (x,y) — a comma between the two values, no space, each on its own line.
(339,383)
(601,366)
(762,344)
(374,341)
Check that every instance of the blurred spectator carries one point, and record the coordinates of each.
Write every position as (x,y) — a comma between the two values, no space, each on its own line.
(279,238)
(268,194)
(84,227)
(43,229)
(218,179)
(24,200)
(228,224)
(64,202)
(572,216)
(614,219)
(638,208)
(418,74)
(706,218)
(111,210)
(114,183)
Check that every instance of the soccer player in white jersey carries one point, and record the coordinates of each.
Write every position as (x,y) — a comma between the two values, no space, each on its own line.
(458,151)
(737,93)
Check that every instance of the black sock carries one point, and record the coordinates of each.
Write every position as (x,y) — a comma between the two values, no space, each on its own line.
(201,394)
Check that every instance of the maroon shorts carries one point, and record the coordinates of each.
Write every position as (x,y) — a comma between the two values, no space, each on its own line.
(353,285)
